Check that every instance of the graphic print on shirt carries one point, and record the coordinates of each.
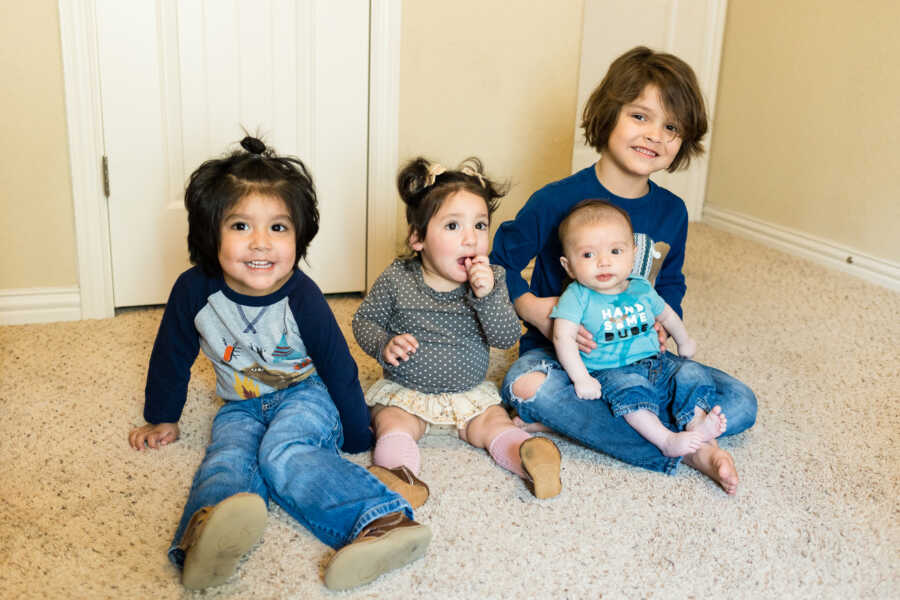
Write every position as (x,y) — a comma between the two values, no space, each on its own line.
(230,350)
(245,387)
(623,322)
(283,352)
(649,256)
(255,350)
(275,379)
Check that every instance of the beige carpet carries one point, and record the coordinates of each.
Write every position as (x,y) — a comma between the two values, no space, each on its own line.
(84,516)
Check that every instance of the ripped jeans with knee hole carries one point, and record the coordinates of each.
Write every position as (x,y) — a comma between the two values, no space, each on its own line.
(592,423)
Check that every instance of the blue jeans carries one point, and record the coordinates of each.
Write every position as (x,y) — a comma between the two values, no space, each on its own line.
(665,385)
(284,446)
(592,424)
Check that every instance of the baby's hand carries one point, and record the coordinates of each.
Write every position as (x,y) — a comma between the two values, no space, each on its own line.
(399,348)
(154,436)
(687,348)
(481,277)
(587,389)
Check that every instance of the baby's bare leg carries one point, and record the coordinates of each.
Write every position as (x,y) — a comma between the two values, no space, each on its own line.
(669,443)
(709,426)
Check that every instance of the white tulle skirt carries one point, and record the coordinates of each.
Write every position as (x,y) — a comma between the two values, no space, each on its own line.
(443,410)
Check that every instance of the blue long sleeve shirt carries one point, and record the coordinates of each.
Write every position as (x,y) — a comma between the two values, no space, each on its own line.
(257,345)
(659,215)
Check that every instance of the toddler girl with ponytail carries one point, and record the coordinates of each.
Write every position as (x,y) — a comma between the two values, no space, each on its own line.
(430,320)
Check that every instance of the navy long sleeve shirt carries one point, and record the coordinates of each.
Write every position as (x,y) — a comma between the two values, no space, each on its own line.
(257,345)
(659,215)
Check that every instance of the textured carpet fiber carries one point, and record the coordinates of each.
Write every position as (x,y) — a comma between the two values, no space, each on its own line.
(816,516)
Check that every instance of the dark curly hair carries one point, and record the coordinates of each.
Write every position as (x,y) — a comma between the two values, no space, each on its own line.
(627,77)
(219,183)
(424,193)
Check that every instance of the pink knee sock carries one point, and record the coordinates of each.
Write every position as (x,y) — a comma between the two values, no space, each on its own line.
(504,449)
(397,448)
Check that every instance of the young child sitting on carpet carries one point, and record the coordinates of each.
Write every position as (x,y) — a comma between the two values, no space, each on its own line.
(291,389)
(430,320)
(619,310)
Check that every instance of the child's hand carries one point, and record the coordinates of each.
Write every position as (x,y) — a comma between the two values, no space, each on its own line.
(585,340)
(399,348)
(481,277)
(154,436)
(587,389)
(663,335)
(687,348)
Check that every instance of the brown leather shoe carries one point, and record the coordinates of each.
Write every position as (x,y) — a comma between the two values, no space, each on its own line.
(218,536)
(383,545)
(401,480)
(540,460)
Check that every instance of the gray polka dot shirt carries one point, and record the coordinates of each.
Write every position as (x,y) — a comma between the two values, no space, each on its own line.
(455,330)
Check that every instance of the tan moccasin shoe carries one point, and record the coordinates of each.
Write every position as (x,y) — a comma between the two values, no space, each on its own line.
(383,545)
(401,480)
(218,536)
(541,461)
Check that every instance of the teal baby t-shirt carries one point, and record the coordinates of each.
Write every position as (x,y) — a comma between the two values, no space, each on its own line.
(622,324)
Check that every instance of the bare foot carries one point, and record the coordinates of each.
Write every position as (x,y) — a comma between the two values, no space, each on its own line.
(531,427)
(709,426)
(716,464)
(681,443)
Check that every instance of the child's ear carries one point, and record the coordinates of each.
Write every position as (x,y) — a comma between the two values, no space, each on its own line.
(414,242)
(565,265)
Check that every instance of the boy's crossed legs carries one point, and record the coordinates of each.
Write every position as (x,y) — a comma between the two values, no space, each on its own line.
(540,390)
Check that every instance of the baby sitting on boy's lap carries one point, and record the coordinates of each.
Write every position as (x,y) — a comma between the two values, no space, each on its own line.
(619,309)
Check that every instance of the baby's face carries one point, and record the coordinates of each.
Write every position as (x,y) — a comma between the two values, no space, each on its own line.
(600,255)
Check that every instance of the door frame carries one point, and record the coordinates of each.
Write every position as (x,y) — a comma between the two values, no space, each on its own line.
(78,34)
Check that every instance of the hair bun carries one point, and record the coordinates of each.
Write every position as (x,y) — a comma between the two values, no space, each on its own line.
(253,145)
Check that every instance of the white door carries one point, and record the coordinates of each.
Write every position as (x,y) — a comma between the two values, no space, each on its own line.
(182,79)
(691,30)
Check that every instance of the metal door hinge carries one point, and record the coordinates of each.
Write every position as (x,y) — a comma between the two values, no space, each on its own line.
(105,176)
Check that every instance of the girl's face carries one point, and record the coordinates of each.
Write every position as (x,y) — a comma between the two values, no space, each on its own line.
(600,255)
(257,250)
(645,139)
(460,229)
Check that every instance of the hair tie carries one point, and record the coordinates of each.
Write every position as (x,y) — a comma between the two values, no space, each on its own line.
(467,170)
(434,169)
(253,145)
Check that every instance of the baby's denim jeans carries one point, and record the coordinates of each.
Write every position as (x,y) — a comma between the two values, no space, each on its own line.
(591,422)
(667,387)
(284,446)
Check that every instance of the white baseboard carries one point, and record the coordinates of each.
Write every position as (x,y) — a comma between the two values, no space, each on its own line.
(825,252)
(39,305)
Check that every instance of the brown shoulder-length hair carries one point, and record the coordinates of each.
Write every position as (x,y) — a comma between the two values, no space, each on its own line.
(627,77)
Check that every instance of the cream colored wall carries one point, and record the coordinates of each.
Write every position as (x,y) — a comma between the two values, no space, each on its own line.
(36,215)
(807,134)
(494,79)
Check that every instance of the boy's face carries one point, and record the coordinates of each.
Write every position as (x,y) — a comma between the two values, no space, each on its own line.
(458,230)
(645,139)
(257,250)
(600,254)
